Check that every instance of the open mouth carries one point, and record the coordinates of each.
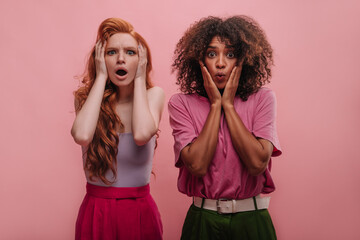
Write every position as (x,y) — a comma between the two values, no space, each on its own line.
(121,72)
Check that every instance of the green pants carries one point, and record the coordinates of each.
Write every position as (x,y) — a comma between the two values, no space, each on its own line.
(210,225)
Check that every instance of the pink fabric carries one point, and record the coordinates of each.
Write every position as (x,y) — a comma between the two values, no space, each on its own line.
(227,177)
(110,213)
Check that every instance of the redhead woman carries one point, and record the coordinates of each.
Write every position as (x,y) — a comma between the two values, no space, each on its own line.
(118,111)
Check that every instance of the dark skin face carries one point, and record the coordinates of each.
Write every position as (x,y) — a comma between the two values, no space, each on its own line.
(220,60)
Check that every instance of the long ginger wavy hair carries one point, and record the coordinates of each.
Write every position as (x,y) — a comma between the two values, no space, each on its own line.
(101,152)
(241,32)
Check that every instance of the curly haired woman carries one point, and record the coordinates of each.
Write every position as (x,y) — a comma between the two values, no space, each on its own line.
(224,128)
(117,117)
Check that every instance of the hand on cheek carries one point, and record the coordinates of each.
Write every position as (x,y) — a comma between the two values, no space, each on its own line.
(209,85)
(231,86)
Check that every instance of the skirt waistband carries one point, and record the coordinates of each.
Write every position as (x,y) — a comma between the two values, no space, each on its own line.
(117,192)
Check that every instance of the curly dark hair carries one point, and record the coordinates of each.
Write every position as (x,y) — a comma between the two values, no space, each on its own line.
(241,32)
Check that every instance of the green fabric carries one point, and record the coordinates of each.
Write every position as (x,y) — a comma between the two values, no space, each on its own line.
(210,225)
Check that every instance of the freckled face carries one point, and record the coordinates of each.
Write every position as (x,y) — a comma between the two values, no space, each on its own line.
(219,60)
(121,58)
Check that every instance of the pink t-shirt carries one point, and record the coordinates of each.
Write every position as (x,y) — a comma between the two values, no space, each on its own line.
(227,177)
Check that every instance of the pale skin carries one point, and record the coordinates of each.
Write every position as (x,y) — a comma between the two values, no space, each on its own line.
(222,71)
(139,108)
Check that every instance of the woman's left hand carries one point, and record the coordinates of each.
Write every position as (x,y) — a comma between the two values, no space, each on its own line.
(141,69)
(231,86)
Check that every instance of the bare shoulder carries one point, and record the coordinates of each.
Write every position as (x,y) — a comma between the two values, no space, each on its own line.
(156,93)
(155,89)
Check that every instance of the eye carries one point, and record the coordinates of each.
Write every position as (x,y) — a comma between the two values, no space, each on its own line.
(111,52)
(230,55)
(131,52)
(211,54)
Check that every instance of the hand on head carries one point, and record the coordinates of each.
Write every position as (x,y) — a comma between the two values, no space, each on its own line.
(141,69)
(100,59)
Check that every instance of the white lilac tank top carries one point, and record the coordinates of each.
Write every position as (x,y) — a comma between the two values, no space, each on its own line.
(134,163)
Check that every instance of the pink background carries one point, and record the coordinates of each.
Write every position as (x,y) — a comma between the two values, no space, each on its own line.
(316,79)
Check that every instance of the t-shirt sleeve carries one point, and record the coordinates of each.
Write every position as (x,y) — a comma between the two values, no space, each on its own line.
(183,127)
(265,119)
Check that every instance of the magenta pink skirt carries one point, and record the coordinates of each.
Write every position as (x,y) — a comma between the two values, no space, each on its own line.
(118,213)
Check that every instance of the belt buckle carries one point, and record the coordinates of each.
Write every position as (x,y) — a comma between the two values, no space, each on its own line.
(224,206)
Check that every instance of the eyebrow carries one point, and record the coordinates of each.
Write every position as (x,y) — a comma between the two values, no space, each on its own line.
(126,47)
(227,46)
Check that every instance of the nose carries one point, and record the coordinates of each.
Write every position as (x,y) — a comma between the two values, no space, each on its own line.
(121,58)
(221,63)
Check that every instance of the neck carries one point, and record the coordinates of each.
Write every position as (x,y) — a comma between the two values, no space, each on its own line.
(125,93)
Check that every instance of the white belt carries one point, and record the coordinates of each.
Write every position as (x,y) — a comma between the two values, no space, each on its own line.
(233,206)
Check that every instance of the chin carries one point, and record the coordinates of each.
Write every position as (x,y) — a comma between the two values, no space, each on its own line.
(221,87)
(122,83)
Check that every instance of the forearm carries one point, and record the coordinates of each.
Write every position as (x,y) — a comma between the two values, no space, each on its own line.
(84,125)
(198,155)
(254,153)
(144,125)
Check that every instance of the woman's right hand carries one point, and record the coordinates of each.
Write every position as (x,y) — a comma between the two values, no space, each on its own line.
(100,65)
(86,120)
(210,87)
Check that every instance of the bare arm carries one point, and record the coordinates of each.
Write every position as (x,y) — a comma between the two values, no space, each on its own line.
(147,104)
(84,125)
(254,153)
(198,155)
